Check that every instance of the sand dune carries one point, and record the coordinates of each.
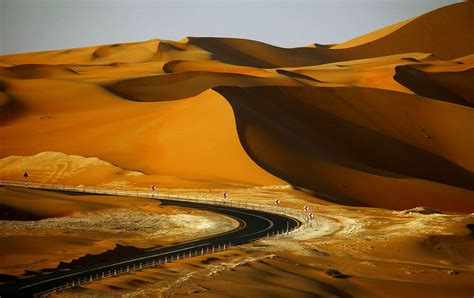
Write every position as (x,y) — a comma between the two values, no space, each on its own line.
(59,168)
(186,84)
(455,87)
(434,32)
(261,55)
(36,71)
(451,40)
(385,115)
(311,142)
(370,37)
(96,123)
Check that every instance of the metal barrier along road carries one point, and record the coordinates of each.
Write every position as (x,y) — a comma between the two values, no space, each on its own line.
(141,193)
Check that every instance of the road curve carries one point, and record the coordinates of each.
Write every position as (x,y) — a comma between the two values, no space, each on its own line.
(253,224)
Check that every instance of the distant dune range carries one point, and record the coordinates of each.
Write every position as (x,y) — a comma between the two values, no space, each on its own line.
(384,120)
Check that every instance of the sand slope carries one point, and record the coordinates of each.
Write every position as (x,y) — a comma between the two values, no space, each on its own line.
(434,32)
(383,120)
(320,139)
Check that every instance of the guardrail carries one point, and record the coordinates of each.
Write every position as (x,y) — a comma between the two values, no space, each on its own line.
(141,193)
(135,266)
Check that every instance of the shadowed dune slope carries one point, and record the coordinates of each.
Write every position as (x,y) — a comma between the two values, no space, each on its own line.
(434,32)
(258,54)
(162,139)
(309,136)
(212,66)
(366,38)
(455,87)
(36,71)
(445,32)
(186,84)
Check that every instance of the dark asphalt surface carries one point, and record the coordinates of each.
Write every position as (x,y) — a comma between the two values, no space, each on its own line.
(253,224)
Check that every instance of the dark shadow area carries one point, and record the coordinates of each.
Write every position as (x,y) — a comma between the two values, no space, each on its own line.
(291,119)
(258,54)
(296,75)
(119,252)
(9,213)
(454,87)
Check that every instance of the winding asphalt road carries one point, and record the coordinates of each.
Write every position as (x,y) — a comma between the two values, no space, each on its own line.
(253,224)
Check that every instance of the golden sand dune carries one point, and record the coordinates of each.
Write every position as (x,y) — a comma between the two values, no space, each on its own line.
(383,120)
(370,37)
(56,167)
(456,87)
(187,84)
(445,32)
(36,71)
(359,144)
(213,66)
(443,37)
(258,54)
(86,120)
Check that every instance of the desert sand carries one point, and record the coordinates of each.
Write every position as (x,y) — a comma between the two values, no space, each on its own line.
(40,229)
(359,131)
